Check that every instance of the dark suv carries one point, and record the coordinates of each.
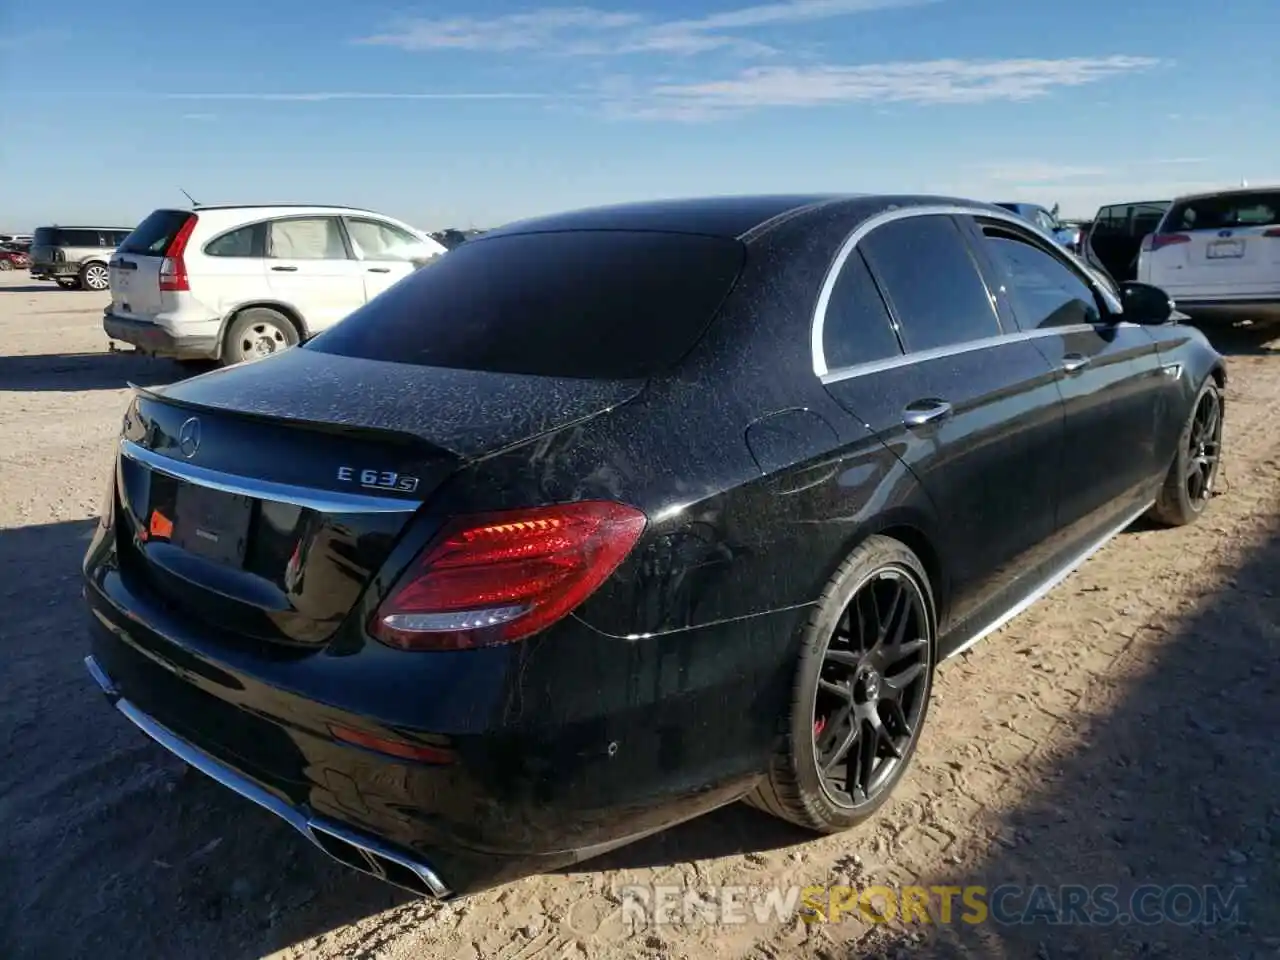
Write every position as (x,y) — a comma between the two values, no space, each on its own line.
(1114,239)
(75,257)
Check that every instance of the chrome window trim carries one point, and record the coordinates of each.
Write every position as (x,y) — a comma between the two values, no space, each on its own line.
(324,501)
(851,242)
(935,353)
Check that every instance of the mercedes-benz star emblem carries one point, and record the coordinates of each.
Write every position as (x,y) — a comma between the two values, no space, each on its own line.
(189,438)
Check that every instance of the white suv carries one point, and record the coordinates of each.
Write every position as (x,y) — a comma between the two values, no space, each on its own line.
(1217,254)
(235,283)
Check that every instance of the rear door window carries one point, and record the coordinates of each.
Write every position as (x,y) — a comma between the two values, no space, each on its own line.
(924,267)
(857,327)
(599,304)
(306,238)
(1043,290)
(151,238)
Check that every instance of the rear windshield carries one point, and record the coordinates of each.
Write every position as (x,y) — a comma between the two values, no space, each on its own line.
(154,234)
(584,304)
(1260,209)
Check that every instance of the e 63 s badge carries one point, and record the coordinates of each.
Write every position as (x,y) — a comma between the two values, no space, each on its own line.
(378,479)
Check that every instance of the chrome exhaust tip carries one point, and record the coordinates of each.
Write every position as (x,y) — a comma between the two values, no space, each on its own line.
(346,846)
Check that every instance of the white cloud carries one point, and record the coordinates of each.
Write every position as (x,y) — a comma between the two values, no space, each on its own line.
(589,31)
(1035,171)
(325,96)
(921,82)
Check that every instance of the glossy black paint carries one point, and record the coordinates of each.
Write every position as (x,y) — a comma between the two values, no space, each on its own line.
(661,696)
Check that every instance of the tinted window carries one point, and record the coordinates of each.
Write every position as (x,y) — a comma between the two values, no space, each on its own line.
(73,237)
(1043,290)
(1252,209)
(306,238)
(237,243)
(931,281)
(592,304)
(154,234)
(1128,219)
(857,328)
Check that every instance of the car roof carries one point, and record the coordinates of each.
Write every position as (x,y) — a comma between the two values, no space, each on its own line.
(722,216)
(1230,191)
(272,206)
(731,217)
(83,226)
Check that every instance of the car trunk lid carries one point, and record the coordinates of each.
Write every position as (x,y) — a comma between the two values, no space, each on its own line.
(143,270)
(263,498)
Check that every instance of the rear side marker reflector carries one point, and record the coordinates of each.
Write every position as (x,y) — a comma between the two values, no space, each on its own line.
(393,748)
(498,578)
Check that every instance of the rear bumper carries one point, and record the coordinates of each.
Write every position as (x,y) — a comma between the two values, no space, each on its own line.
(154,339)
(553,752)
(357,851)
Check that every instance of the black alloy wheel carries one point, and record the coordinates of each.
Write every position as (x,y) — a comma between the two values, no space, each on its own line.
(1189,485)
(1204,446)
(872,688)
(861,693)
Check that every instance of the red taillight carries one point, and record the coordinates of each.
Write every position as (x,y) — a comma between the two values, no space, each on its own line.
(1158,241)
(1273,232)
(500,577)
(173,269)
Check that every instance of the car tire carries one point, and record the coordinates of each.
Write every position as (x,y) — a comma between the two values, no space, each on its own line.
(68,283)
(794,788)
(256,333)
(1189,484)
(95,277)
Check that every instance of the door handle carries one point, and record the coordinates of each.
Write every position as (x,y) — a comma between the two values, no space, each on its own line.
(379,269)
(1074,362)
(926,411)
(285,269)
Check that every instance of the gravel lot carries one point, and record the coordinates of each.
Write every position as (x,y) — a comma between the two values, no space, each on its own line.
(1122,731)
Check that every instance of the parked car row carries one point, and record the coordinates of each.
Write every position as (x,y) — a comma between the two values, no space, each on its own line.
(1216,253)
(14,255)
(508,568)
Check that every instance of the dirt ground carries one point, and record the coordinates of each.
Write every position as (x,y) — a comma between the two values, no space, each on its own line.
(1126,730)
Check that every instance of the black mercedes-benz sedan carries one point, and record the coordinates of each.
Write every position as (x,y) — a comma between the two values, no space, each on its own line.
(613,517)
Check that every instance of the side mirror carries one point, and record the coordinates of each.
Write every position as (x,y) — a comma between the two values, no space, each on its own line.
(1145,304)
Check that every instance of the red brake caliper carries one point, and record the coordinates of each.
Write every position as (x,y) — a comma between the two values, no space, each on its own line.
(818,727)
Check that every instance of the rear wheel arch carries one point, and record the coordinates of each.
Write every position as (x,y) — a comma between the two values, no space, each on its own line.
(288,312)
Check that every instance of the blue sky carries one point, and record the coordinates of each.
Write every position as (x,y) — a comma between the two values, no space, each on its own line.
(475,113)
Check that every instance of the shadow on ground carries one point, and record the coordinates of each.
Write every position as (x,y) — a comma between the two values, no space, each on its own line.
(32,288)
(1176,791)
(70,372)
(1245,339)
